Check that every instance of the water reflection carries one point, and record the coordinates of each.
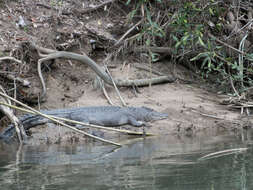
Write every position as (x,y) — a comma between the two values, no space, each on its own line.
(152,163)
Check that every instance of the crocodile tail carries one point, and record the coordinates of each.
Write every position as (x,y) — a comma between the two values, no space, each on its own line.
(8,133)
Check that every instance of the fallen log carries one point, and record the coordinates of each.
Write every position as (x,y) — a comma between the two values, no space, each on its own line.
(49,54)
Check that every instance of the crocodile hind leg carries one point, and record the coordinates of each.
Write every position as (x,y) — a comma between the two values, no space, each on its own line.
(92,131)
(78,126)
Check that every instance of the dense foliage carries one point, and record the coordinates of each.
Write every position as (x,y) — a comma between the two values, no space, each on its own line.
(212,35)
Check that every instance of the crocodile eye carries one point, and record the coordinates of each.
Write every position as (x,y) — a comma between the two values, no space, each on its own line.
(148,116)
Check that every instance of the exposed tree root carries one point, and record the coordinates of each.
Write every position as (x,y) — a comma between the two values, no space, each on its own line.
(49,54)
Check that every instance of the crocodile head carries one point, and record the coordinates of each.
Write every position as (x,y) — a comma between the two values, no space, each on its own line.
(151,115)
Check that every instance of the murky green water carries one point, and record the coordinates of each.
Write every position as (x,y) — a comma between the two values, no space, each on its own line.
(153,163)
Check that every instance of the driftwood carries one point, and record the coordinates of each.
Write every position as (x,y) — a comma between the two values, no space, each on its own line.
(49,54)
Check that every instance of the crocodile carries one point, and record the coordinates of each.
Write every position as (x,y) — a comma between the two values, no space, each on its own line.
(110,116)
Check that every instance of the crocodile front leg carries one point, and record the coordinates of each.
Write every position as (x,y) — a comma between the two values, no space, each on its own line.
(134,122)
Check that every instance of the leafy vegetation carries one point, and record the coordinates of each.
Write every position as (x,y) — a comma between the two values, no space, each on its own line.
(191,29)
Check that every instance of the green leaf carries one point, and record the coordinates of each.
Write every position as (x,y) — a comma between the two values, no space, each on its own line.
(148,42)
(155,57)
(200,55)
(148,16)
(184,39)
(204,62)
(127,3)
(174,38)
(201,42)
(234,66)
(178,44)
(209,63)
(218,47)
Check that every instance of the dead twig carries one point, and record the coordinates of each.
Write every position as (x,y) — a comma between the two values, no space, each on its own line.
(96,7)
(10,58)
(146,68)
(102,86)
(127,32)
(45,6)
(222,153)
(23,82)
(213,116)
(164,50)
(116,88)
(225,44)
(242,28)
(9,113)
(232,84)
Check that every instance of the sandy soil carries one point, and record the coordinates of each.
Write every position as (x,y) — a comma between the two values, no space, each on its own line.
(192,109)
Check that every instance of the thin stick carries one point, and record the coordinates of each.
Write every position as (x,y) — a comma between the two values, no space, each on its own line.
(24,82)
(225,44)
(11,77)
(61,123)
(102,86)
(215,117)
(223,152)
(142,67)
(131,29)
(15,90)
(115,86)
(88,10)
(9,113)
(232,84)
(237,94)
(246,25)
(106,95)
(82,123)
(10,58)
(207,115)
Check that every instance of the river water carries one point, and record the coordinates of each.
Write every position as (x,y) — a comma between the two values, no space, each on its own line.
(165,162)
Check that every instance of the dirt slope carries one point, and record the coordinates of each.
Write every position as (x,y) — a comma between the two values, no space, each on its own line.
(192,110)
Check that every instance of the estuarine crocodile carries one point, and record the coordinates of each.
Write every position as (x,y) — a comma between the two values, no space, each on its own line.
(101,115)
